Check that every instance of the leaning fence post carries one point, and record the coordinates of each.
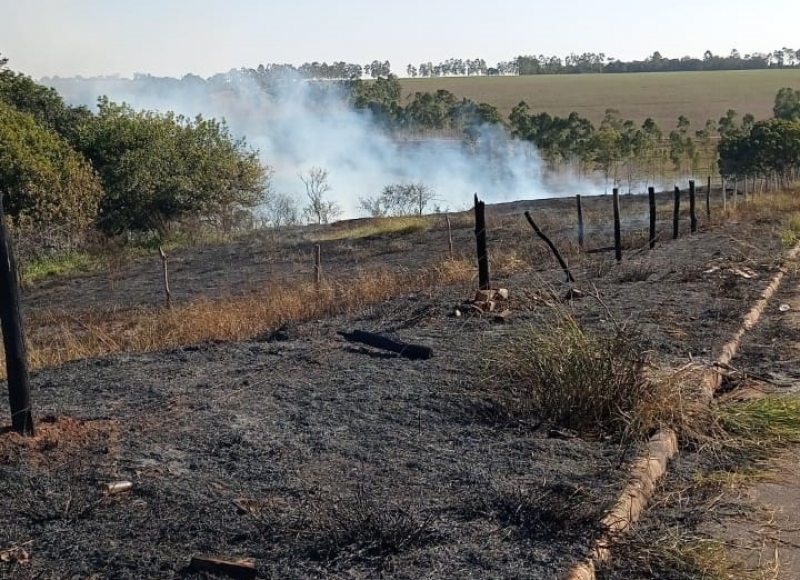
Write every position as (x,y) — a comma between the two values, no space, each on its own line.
(617,226)
(19,388)
(676,214)
(483,253)
(692,208)
(165,271)
(580,221)
(651,194)
(550,245)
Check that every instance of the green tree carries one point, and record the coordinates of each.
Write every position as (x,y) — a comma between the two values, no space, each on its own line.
(157,169)
(43,103)
(381,97)
(787,104)
(773,146)
(681,145)
(431,110)
(46,182)
(607,145)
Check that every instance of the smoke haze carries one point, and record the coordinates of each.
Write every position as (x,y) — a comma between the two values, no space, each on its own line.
(295,128)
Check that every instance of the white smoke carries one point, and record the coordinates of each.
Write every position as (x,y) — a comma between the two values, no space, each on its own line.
(295,128)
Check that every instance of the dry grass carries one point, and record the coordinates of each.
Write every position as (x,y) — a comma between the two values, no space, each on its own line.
(567,377)
(373,227)
(59,337)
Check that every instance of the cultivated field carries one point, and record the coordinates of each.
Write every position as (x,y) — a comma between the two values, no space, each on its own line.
(321,458)
(664,96)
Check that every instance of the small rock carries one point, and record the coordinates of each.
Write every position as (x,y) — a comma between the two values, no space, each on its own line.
(501,294)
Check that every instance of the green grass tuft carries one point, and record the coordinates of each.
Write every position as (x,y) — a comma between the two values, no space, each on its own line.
(62,264)
(790,232)
(567,377)
(771,422)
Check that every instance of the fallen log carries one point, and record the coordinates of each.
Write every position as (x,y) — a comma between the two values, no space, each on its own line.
(242,568)
(412,351)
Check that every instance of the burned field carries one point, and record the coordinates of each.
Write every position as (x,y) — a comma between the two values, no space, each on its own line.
(318,457)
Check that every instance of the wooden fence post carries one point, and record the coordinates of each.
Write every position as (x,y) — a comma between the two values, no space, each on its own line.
(617,226)
(676,214)
(692,207)
(580,221)
(317,265)
(651,194)
(724,196)
(19,387)
(708,200)
(550,245)
(165,272)
(449,236)
(483,253)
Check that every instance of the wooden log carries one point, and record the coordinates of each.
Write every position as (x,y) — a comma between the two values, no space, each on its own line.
(692,208)
(580,221)
(483,253)
(651,194)
(117,487)
(240,568)
(676,214)
(19,386)
(617,226)
(551,245)
(412,351)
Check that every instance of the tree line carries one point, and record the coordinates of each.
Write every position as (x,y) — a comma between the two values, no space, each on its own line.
(590,62)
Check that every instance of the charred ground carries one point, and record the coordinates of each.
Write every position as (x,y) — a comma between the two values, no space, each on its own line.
(320,458)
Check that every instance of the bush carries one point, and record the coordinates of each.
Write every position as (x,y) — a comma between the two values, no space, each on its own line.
(591,383)
(45,181)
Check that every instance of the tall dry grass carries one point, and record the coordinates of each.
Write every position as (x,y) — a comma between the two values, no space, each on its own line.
(61,336)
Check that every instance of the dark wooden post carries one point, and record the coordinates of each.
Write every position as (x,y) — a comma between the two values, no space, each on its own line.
(708,200)
(317,265)
(483,253)
(692,207)
(676,214)
(580,221)
(617,226)
(651,194)
(19,386)
(165,271)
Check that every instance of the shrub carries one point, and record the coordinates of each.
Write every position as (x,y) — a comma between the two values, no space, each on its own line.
(574,379)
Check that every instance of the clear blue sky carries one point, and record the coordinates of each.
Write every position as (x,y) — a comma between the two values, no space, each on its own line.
(175,37)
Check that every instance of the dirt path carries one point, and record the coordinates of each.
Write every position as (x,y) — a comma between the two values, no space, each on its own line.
(770,534)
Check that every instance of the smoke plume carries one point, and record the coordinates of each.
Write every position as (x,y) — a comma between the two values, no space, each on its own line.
(295,128)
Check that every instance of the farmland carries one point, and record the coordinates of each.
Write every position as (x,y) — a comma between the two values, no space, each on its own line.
(662,96)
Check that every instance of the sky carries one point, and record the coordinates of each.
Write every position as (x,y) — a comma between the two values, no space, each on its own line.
(176,37)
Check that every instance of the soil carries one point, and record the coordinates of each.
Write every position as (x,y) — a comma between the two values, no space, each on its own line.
(317,457)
